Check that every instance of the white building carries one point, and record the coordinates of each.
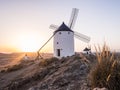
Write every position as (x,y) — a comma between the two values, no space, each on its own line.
(63,42)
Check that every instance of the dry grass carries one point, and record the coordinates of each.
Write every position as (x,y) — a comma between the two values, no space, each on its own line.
(106,73)
(47,62)
(17,66)
(14,68)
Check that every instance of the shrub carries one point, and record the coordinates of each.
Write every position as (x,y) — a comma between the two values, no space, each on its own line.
(14,68)
(77,57)
(106,73)
(47,62)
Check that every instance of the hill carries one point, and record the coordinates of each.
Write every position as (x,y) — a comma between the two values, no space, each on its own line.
(70,73)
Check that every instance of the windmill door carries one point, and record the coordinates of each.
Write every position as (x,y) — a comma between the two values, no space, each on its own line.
(58,52)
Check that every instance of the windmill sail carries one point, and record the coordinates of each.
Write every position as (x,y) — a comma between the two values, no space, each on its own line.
(82,37)
(73,18)
(79,36)
(72,21)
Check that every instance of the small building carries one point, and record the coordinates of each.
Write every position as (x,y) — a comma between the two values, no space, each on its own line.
(87,51)
(26,57)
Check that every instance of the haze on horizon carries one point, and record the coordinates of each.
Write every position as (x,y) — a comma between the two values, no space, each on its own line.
(24,24)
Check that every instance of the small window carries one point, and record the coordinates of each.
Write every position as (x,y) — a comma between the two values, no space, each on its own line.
(57,42)
(68,32)
(59,32)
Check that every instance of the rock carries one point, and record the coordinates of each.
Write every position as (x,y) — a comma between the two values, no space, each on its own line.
(33,88)
(100,88)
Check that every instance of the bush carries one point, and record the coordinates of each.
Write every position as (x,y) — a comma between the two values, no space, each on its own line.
(14,68)
(77,57)
(47,62)
(106,73)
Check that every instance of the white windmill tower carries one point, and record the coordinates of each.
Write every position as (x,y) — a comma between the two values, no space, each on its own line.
(64,38)
(63,42)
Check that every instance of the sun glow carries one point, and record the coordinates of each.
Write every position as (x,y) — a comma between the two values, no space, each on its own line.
(29,42)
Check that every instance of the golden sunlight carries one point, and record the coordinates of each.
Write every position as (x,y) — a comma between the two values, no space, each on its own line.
(29,42)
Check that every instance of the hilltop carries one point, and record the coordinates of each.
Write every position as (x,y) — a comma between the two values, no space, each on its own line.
(70,73)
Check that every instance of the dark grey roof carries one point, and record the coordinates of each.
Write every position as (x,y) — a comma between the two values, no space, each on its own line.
(63,27)
(86,49)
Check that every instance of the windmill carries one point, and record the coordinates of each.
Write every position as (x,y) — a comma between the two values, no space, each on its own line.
(64,37)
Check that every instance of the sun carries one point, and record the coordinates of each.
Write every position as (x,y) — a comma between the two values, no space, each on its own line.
(29,43)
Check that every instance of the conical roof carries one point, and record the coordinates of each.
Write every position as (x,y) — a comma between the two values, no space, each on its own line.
(63,27)
(86,49)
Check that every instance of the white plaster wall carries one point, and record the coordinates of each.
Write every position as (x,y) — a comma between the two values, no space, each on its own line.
(65,42)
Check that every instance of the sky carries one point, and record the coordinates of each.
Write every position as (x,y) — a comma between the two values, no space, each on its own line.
(24,24)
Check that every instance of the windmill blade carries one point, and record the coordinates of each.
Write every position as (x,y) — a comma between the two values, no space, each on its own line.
(52,26)
(82,37)
(73,18)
